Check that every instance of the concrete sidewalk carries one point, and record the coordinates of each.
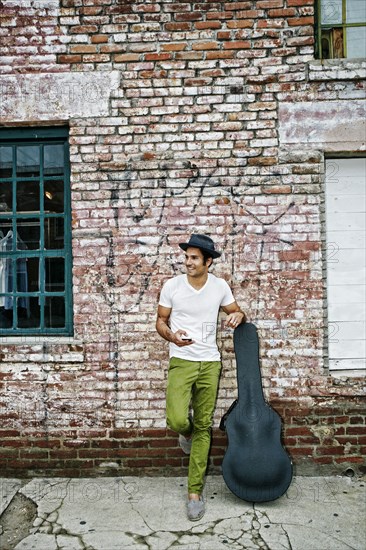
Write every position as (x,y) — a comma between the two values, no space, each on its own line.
(316,513)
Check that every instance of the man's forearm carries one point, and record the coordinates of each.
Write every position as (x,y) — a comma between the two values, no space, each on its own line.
(164,330)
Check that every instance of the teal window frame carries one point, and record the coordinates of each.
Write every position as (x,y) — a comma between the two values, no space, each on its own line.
(325,30)
(40,136)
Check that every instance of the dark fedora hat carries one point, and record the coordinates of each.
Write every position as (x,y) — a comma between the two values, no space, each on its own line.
(202,242)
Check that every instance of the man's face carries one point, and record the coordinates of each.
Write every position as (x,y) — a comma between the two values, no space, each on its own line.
(194,262)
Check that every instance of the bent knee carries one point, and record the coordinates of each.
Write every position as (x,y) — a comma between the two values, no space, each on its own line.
(179,425)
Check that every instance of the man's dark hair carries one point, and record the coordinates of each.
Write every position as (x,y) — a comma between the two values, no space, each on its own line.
(206,256)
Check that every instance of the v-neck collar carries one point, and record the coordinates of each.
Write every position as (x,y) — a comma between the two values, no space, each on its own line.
(197,291)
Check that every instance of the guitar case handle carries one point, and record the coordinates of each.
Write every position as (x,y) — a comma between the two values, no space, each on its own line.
(222,425)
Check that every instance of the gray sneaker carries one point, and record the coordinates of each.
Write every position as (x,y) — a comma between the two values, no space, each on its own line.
(195,509)
(185,444)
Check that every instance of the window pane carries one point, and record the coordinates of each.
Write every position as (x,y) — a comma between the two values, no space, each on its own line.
(28,159)
(338,43)
(6,196)
(29,317)
(6,162)
(7,282)
(5,227)
(55,312)
(6,242)
(55,274)
(27,195)
(5,266)
(356,11)
(33,274)
(54,196)
(23,306)
(28,232)
(54,233)
(356,42)
(22,278)
(53,159)
(6,317)
(331,12)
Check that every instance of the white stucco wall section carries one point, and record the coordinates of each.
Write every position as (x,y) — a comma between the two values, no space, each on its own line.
(53,97)
(329,125)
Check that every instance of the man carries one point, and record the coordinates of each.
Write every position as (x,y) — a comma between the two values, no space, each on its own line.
(187,318)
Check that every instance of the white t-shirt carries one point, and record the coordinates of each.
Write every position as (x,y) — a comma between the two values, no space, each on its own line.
(196,312)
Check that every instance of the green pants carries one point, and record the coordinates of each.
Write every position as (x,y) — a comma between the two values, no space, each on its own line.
(196,382)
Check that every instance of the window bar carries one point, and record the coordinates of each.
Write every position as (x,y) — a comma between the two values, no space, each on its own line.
(67,242)
(319,28)
(14,242)
(344,21)
(41,292)
(42,267)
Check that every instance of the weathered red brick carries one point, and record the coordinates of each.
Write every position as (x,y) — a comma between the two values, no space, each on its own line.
(219,15)
(300,2)
(99,38)
(69,58)
(96,58)
(157,56)
(284,13)
(219,55)
(177,26)
(237,5)
(241,24)
(350,459)
(300,21)
(208,25)
(126,57)
(174,47)
(83,29)
(85,48)
(191,16)
(205,46)
(355,430)
(237,45)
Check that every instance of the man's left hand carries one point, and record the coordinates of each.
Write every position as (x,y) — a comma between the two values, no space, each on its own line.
(234,319)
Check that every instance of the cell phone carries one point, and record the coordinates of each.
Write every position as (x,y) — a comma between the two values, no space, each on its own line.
(186,338)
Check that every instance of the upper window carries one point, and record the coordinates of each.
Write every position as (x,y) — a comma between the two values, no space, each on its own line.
(342,29)
(35,235)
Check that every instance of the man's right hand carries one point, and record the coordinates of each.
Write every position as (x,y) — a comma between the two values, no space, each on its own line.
(178,339)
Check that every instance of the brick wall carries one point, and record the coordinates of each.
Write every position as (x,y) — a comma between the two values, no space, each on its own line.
(190,119)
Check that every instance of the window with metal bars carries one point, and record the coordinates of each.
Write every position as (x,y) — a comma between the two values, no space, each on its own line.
(35,232)
(341,29)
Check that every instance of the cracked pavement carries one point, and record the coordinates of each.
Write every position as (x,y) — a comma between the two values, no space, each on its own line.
(141,513)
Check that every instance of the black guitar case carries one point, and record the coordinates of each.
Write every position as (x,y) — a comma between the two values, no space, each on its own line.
(256,467)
